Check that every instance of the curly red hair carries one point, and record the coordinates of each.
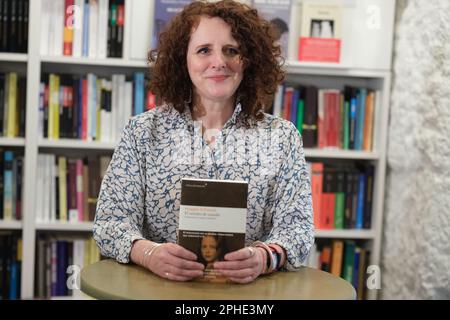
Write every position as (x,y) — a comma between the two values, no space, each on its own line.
(261,57)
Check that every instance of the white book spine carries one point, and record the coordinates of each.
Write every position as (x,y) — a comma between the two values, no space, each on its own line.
(103,7)
(45,26)
(93,28)
(105,116)
(114,103)
(128,110)
(54,173)
(40,190)
(278,101)
(141,27)
(59,27)
(78,28)
(92,106)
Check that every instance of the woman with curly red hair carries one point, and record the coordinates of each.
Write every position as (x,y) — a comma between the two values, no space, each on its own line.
(215,71)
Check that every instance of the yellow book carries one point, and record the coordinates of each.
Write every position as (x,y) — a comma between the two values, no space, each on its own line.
(12,106)
(19,250)
(62,174)
(87,253)
(53,105)
(95,253)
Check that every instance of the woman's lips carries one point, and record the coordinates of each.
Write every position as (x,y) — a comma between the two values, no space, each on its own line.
(218,78)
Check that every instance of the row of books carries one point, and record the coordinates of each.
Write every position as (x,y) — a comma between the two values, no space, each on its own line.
(12,105)
(14,25)
(69,187)
(342,195)
(329,118)
(343,258)
(11,182)
(10,265)
(59,262)
(82,28)
(90,108)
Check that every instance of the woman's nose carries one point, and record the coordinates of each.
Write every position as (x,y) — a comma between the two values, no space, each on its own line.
(218,61)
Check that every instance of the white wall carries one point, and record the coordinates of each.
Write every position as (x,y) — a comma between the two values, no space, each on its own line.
(416,244)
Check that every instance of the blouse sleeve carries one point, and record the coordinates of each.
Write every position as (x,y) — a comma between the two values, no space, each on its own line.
(120,208)
(293,226)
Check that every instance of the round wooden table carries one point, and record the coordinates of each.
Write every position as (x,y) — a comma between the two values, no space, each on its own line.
(109,279)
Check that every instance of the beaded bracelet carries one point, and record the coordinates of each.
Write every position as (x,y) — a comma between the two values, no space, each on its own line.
(148,251)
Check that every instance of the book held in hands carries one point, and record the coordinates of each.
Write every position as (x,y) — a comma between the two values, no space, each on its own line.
(212,220)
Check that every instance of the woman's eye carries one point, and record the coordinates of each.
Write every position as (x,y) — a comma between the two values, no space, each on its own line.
(231,51)
(203,50)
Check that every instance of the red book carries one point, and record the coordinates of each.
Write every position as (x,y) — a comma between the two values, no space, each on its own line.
(316,188)
(84,110)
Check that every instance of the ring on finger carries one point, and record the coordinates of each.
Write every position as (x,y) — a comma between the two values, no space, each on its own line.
(166,274)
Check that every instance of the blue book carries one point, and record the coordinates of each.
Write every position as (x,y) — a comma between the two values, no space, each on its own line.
(85,44)
(14,272)
(61,287)
(360,203)
(139,93)
(353,107)
(294,106)
(355,273)
(361,118)
(8,185)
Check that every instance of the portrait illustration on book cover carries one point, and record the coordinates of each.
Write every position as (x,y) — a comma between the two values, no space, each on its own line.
(212,221)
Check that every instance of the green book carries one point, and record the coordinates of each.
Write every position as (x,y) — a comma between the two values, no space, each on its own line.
(339,208)
(300,111)
(349,257)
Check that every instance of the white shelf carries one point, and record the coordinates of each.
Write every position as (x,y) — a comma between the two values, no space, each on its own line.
(13,57)
(329,69)
(10,225)
(346,234)
(341,154)
(116,62)
(75,144)
(12,142)
(65,226)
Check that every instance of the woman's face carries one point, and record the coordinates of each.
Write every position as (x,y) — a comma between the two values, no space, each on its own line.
(213,61)
(209,248)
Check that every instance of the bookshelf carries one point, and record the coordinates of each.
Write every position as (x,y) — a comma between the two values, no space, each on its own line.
(33,64)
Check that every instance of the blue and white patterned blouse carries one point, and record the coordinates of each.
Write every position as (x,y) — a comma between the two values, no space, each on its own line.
(140,193)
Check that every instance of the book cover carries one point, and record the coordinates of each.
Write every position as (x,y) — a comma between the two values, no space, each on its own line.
(278,13)
(164,11)
(212,220)
(320,39)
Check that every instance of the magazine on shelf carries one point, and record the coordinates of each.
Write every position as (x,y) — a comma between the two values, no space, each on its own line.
(164,11)
(320,39)
(212,220)
(278,12)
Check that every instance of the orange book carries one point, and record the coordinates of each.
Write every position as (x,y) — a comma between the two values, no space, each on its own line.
(68,27)
(368,122)
(336,260)
(316,188)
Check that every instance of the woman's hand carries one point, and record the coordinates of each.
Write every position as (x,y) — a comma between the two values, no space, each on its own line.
(244,265)
(172,261)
